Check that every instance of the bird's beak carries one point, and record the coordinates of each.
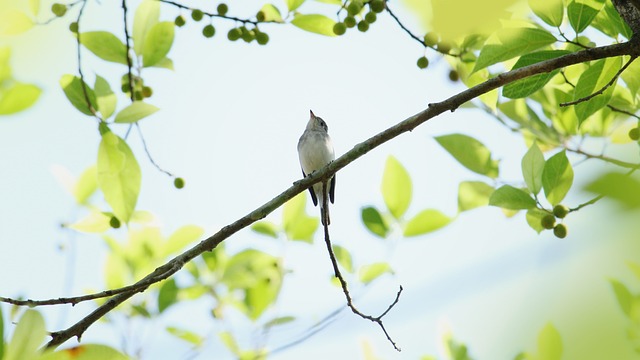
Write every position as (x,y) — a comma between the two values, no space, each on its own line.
(312,115)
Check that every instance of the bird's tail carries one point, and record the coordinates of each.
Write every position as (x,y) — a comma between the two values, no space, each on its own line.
(324,215)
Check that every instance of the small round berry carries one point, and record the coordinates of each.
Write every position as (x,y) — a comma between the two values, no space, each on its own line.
(560,231)
(354,7)
(197,15)
(370,17)
(363,26)
(262,38)
(431,39)
(350,21)
(114,222)
(560,211)
(548,221)
(180,21)
(339,28)
(178,183)
(423,62)
(444,47)
(59,9)
(377,6)
(634,134)
(73,27)
(208,31)
(234,34)
(454,76)
(137,95)
(260,16)
(222,9)
(147,91)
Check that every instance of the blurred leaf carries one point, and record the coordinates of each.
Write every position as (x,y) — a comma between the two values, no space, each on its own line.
(532,167)
(374,222)
(167,295)
(582,12)
(186,335)
(294,4)
(115,271)
(635,268)
(94,222)
(396,187)
(592,80)
(368,273)
(119,175)
(473,194)
(549,343)
(279,321)
(609,22)
(511,198)
(527,86)
(105,45)
(513,42)
(85,352)
(27,337)
(138,110)
(557,177)
(147,16)
(631,79)
(425,222)
(157,43)
(296,223)
(343,257)
(265,228)
(271,13)
(549,11)
(18,97)
(182,238)
(470,152)
(72,86)
(619,187)
(227,339)
(534,219)
(466,17)
(165,63)
(2,345)
(623,295)
(314,23)
(106,98)
(14,22)
(34,6)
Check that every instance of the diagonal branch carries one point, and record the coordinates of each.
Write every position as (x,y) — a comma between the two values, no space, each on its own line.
(629,48)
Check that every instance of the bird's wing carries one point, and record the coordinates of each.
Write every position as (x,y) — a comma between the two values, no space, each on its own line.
(314,198)
(332,188)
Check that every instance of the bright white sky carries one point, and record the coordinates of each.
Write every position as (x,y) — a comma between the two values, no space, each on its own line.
(230,118)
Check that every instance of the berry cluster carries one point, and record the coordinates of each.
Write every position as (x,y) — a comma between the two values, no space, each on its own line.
(355,8)
(549,221)
(140,90)
(432,40)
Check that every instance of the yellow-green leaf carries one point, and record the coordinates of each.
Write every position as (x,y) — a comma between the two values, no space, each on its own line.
(18,97)
(14,22)
(147,15)
(294,4)
(105,45)
(508,197)
(106,98)
(266,228)
(296,223)
(396,187)
(473,194)
(314,23)
(74,89)
(374,221)
(27,337)
(138,110)
(549,343)
(368,273)
(592,80)
(532,167)
(470,152)
(181,238)
(271,13)
(425,222)
(94,222)
(157,43)
(549,11)
(557,177)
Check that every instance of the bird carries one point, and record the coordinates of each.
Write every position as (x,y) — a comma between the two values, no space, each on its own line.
(315,151)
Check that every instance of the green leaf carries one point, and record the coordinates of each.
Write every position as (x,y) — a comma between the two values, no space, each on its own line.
(296,223)
(186,335)
(119,175)
(157,43)
(635,268)
(532,167)
(27,337)
(34,6)
(86,185)
(14,22)
(470,152)
(619,187)
(592,80)
(549,11)
(425,222)
(557,177)
(271,13)
(631,79)
(167,295)
(105,45)
(314,23)
(18,97)
(85,352)
(147,16)
(182,238)
(549,343)
(508,197)
(229,341)
(281,320)
(343,257)
(294,4)
(473,194)
(106,98)
(513,42)
(265,228)
(165,63)
(534,219)
(396,187)
(623,295)
(94,222)
(374,222)
(609,22)
(582,12)
(138,110)
(368,273)
(1,334)
(73,89)
(527,86)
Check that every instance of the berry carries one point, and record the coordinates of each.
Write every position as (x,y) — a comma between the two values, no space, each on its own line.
(114,222)
(208,31)
(262,38)
(370,17)
(260,16)
(363,26)
(137,95)
(147,91)
(423,62)
(59,9)
(560,231)
(339,28)
(178,183)
(560,211)
(222,9)
(454,76)
(247,35)
(377,6)
(548,221)
(234,34)
(444,47)
(431,39)
(180,21)
(197,15)
(73,27)
(354,7)
(350,21)
(634,134)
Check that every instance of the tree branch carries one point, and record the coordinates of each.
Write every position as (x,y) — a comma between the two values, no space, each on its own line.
(433,110)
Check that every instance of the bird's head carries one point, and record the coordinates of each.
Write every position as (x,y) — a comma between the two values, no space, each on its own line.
(316,122)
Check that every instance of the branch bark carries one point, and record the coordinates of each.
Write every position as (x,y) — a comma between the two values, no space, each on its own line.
(631,48)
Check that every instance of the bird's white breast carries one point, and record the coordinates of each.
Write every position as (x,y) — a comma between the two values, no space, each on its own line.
(315,151)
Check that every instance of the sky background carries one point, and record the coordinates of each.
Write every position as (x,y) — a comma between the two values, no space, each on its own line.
(231,115)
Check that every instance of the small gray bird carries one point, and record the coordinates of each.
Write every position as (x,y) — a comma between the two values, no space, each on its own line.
(315,150)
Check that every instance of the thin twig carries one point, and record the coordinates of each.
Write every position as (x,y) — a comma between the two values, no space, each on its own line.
(613,161)
(83,85)
(605,87)
(590,202)
(343,282)
(244,21)
(412,35)
(616,109)
(128,46)
(576,43)
(146,150)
